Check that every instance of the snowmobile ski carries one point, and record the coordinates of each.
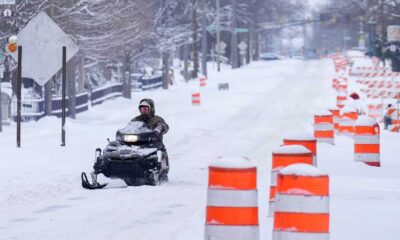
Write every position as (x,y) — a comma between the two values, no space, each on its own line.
(94,185)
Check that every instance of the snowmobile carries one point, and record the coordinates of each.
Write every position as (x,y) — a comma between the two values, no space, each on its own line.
(137,156)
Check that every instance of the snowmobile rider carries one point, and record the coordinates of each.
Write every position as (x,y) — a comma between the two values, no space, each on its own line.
(147,115)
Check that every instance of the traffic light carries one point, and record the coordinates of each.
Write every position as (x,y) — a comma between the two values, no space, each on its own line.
(12,44)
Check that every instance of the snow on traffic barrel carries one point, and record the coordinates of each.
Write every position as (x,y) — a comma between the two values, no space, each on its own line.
(323,126)
(340,98)
(304,139)
(335,111)
(367,141)
(196,99)
(302,204)
(347,118)
(232,203)
(283,157)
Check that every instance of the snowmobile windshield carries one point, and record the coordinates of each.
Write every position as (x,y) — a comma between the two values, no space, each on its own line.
(135,127)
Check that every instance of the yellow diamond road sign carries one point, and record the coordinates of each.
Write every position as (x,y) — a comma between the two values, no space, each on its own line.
(42,41)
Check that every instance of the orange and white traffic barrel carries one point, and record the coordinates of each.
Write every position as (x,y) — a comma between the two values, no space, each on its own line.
(304,139)
(367,141)
(342,86)
(195,98)
(202,80)
(335,111)
(340,98)
(323,127)
(232,202)
(347,118)
(302,204)
(375,111)
(334,83)
(283,157)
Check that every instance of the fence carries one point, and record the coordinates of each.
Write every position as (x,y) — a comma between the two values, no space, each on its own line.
(151,83)
(34,109)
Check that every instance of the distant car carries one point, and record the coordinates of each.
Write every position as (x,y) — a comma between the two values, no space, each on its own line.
(270,56)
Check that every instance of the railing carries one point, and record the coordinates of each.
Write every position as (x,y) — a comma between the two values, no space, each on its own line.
(34,109)
(101,94)
(151,83)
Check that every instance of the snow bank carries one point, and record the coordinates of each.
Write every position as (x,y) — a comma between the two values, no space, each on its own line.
(232,162)
(299,136)
(322,112)
(365,121)
(302,169)
(291,149)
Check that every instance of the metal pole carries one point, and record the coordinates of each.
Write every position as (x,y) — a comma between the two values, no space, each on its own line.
(234,38)
(19,86)
(64,86)
(218,40)
(203,38)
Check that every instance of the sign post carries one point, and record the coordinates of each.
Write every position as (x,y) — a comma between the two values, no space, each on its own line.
(64,86)
(45,40)
(19,86)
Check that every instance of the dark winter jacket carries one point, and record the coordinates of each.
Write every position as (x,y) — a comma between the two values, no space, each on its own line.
(152,121)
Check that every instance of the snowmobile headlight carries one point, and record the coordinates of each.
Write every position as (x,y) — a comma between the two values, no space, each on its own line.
(130,138)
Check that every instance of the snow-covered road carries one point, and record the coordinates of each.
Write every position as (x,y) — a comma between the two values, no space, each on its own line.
(41,197)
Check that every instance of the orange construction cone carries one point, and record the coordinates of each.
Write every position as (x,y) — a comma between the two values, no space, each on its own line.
(196,99)
(340,99)
(305,140)
(202,80)
(232,203)
(347,118)
(367,141)
(283,157)
(302,204)
(323,127)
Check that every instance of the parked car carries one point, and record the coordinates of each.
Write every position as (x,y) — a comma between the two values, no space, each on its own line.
(270,56)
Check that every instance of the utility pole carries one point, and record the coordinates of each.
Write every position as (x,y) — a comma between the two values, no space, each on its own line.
(218,40)
(383,38)
(234,40)
(194,36)
(203,38)
(255,48)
